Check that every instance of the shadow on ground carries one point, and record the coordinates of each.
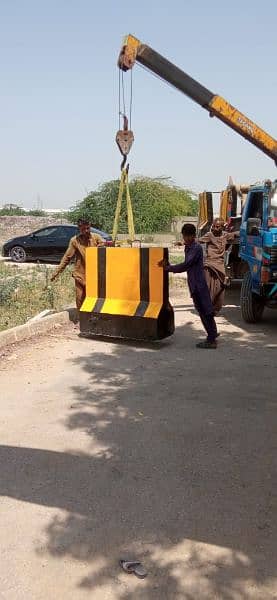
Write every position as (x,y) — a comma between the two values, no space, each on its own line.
(181,471)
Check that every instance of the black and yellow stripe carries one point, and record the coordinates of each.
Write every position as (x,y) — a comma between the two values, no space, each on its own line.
(125,281)
(144,283)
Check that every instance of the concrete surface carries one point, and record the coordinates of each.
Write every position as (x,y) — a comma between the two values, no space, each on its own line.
(162,452)
(36,326)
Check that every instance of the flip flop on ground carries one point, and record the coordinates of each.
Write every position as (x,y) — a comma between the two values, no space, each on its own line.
(133,567)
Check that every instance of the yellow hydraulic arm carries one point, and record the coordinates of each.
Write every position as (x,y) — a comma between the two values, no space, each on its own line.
(134,51)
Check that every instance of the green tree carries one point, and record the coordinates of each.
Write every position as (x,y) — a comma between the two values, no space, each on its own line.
(155,202)
(12,210)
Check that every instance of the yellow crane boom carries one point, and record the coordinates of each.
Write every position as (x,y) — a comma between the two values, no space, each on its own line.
(134,51)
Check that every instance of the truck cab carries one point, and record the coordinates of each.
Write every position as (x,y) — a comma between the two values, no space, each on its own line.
(258,249)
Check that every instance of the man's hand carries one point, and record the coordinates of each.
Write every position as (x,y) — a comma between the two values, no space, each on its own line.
(164,264)
(228,227)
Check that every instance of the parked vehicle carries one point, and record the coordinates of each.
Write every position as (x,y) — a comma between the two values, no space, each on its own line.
(47,244)
(258,248)
(254,255)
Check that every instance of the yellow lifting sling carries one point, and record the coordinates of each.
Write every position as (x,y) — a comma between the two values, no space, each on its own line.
(124,185)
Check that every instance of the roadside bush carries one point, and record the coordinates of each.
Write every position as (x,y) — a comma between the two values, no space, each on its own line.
(25,295)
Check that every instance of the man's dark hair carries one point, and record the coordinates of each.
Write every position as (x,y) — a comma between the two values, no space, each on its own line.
(189,229)
(83,221)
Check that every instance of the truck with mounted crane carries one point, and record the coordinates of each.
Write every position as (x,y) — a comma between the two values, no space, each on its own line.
(256,256)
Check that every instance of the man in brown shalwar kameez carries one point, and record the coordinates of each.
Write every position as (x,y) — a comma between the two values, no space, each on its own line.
(77,250)
(216,241)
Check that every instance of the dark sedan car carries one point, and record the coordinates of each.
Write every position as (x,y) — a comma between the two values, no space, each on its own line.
(49,243)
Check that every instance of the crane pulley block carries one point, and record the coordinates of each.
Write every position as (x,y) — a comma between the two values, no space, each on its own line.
(128,53)
(124,139)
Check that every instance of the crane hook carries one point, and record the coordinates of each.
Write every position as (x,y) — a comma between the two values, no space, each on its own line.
(124,139)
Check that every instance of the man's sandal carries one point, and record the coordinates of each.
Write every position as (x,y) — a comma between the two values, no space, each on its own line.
(133,566)
(207,345)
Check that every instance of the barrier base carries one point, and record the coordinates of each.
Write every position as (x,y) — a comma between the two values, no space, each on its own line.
(128,328)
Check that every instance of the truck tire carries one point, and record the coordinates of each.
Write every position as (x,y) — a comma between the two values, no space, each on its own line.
(252,307)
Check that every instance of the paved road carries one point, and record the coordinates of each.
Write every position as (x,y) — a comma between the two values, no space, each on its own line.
(162,452)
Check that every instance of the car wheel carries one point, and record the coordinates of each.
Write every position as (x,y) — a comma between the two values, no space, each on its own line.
(18,254)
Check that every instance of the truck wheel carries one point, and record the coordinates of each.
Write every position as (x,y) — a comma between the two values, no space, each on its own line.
(251,306)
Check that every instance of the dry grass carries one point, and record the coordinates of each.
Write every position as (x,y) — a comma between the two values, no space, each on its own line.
(24,293)
(5,270)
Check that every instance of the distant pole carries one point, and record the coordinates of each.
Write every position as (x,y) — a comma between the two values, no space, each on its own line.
(39,202)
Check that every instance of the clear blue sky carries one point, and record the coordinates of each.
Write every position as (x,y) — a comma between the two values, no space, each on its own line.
(59,96)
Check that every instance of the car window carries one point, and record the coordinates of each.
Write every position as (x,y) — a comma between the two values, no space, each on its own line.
(46,232)
(273,204)
(256,205)
(63,233)
(70,231)
(101,233)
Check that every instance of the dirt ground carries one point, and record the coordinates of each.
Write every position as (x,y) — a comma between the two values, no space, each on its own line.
(162,452)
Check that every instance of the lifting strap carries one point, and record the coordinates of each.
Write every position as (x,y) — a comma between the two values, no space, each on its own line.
(124,184)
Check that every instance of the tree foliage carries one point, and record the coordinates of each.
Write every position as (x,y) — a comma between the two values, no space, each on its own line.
(13,210)
(155,202)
